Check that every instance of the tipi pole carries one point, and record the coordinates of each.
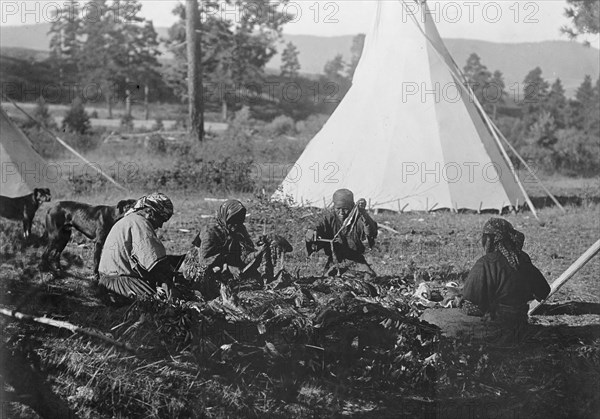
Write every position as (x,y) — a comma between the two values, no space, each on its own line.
(522,160)
(571,270)
(494,128)
(458,78)
(68,147)
(504,153)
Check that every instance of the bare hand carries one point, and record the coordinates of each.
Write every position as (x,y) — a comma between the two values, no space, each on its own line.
(361,204)
(311,236)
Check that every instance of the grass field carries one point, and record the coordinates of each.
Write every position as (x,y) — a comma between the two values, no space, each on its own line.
(180,370)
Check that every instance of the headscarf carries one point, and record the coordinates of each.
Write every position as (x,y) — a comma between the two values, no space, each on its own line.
(343,198)
(157,202)
(233,209)
(505,239)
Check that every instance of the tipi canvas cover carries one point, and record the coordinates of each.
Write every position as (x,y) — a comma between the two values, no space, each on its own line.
(406,136)
(23,169)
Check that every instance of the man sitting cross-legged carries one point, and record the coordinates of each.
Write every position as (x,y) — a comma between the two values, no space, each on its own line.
(340,233)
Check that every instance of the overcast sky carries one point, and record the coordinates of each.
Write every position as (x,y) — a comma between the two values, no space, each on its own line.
(490,20)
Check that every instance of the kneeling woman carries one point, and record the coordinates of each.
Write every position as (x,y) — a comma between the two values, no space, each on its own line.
(503,281)
(222,251)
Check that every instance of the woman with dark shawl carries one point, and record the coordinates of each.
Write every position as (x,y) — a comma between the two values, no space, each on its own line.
(498,288)
(347,225)
(224,251)
(503,281)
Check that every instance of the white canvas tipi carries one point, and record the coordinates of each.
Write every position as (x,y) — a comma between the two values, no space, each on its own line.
(23,169)
(406,136)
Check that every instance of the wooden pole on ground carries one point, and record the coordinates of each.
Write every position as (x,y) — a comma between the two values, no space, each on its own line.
(66,325)
(571,270)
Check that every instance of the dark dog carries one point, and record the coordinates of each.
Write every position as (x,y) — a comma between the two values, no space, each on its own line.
(24,208)
(94,222)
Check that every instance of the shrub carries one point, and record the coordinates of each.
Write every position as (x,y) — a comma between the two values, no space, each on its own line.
(577,153)
(76,119)
(311,125)
(282,125)
(158,125)
(42,114)
(127,122)
(155,144)
(44,143)
(179,150)
(84,142)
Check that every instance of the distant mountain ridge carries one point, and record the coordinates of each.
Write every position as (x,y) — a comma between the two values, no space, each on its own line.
(569,61)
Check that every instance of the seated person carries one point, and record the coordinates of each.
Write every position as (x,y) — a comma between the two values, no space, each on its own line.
(224,251)
(134,261)
(347,225)
(503,281)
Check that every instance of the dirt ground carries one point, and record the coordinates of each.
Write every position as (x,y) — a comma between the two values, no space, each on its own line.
(552,370)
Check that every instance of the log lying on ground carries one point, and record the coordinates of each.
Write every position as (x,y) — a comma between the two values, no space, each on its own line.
(572,270)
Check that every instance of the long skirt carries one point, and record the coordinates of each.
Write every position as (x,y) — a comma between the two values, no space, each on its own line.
(455,323)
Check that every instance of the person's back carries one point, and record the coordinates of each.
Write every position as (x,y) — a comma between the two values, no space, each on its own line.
(130,244)
(134,260)
(498,288)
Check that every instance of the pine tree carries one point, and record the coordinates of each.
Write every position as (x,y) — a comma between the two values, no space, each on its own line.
(66,41)
(587,98)
(77,120)
(233,52)
(358,44)
(495,93)
(479,78)
(585,92)
(585,17)
(535,94)
(594,122)
(290,65)
(334,69)
(556,104)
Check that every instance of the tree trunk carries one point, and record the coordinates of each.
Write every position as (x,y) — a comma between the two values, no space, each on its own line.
(109,106)
(146,106)
(224,111)
(195,97)
(127,98)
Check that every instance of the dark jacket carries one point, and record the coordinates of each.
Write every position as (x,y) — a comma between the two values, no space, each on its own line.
(493,284)
(348,244)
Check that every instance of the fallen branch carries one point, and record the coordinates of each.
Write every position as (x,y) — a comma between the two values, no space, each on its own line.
(66,325)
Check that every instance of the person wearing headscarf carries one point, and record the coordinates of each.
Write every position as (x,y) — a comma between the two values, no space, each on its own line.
(504,280)
(134,261)
(224,251)
(348,225)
